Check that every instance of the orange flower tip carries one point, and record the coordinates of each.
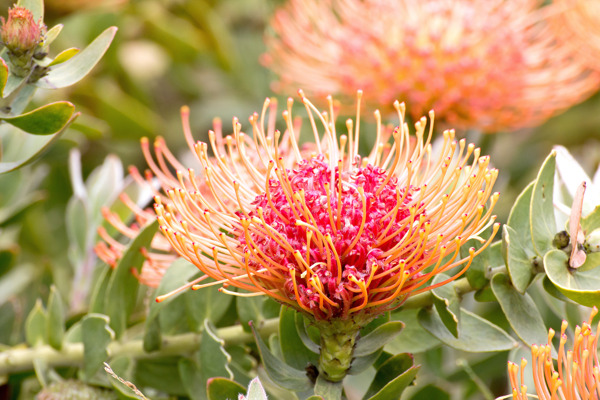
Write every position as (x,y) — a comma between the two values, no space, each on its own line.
(144,141)
(196,287)
(301,94)
(185,111)
(160,299)
(359,94)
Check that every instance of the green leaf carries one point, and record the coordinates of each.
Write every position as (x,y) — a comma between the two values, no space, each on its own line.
(35,6)
(476,334)
(413,338)
(76,68)
(591,221)
(392,377)
(301,329)
(178,274)
(223,388)
(327,390)
(162,374)
(256,390)
(3,76)
(52,34)
(520,310)
(541,217)
(96,335)
(55,323)
(211,360)
(281,373)
(583,287)
(64,56)
(98,296)
(295,353)
(447,303)
(35,325)
(46,120)
(431,392)
(553,290)
(121,293)
(21,148)
(518,259)
(375,340)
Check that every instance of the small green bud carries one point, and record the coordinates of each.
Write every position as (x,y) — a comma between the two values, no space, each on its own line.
(561,240)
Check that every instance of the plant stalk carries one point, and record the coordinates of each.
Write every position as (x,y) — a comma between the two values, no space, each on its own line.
(71,354)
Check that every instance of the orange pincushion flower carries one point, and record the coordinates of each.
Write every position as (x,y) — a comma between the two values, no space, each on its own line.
(578,375)
(325,231)
(578,25)
(487,65)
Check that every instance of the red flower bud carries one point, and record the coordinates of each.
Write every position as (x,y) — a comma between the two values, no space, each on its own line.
(20,33)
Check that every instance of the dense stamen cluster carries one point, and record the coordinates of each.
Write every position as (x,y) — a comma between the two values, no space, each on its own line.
(576,375)
(331,236)
(317,227)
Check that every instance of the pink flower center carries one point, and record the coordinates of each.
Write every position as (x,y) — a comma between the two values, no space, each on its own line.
(311,194)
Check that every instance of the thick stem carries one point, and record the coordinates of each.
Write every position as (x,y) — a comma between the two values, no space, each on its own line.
(337,345)
(19,359)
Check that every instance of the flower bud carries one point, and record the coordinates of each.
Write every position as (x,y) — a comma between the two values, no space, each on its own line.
(20,33)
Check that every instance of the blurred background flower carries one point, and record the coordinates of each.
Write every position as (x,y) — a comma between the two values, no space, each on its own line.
(490,66)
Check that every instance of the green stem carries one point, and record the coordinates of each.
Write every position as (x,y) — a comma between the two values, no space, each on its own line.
(19,359)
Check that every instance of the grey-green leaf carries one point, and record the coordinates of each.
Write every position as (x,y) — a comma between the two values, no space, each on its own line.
(413,338)
(55,323)
(392,377)
(96,335)
(35,325)
(518,259)
(281,373)
(541,217)
(378,338)
(476,333)
(77,67)
(295,353)
(447,303)
(582,287)
(520,310)
(121,293)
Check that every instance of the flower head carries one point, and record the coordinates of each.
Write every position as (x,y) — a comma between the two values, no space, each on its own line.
(321,229)
(578,374)
(486,65)
(20,33)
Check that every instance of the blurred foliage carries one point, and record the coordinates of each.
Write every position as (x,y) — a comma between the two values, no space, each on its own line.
(205,54)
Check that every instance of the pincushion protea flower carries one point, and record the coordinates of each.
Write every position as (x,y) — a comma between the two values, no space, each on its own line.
(336,236)
(578,375)
(487,65)
(578,25)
